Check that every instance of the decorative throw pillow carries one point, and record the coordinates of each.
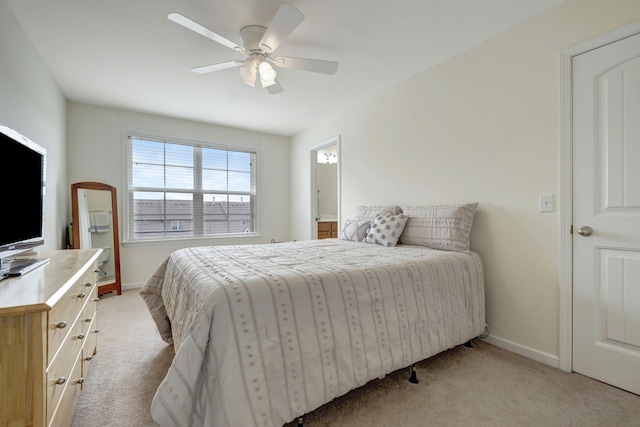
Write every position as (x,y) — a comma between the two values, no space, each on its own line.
(445,227)
(386,230)
(354,231)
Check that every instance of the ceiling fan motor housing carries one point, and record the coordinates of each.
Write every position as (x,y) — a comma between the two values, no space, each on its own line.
(251,36)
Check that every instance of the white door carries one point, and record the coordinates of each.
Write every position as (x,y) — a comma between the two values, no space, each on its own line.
(606,203)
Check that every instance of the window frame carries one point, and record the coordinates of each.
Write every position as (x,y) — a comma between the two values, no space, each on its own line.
(129,135)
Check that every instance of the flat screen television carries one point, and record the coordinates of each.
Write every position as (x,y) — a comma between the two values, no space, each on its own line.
(23,177)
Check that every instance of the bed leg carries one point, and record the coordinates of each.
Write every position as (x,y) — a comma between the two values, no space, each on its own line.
(300,421)
(468,344)
(414,377)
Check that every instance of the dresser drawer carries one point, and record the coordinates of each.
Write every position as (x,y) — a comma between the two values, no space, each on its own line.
(91,306)
(65,406)
(90,344)
(64,313)
(59,371)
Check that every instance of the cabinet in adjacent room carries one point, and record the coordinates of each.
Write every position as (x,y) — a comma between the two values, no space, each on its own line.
(327,229)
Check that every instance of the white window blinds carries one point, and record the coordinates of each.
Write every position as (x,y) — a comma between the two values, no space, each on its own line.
(180,189)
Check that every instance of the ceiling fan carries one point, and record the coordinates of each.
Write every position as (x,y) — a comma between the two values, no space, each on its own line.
(259,43)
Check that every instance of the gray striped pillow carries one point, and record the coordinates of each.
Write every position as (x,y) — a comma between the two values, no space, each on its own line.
(445,227)
(370,211)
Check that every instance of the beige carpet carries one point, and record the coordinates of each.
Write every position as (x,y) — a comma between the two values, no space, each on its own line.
(483,386)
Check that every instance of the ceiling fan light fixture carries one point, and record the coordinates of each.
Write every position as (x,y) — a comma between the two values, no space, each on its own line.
(248,72)
(267,83)
(267,74)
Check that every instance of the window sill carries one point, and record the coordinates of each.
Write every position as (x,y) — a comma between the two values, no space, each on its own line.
(192,241)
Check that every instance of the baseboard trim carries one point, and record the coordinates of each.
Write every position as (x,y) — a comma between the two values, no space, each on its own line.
(136,285)
(539,356)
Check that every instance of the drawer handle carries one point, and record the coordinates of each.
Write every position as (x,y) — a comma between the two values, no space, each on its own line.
(61,380)
(96,331)
(82,295)
(88,284)
(80,381)
(88,358)
(96,270)
(96,299)
(61,325)
(88,319)
(81,336)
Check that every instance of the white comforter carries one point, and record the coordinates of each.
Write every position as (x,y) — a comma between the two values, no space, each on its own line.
(266,333)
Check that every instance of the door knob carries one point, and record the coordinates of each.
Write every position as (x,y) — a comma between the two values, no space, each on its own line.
(585,231)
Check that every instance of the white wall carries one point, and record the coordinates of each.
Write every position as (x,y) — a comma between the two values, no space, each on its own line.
(96,153)
(483,126)
(32,104)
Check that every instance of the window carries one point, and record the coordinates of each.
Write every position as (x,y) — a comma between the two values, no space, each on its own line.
(179,189)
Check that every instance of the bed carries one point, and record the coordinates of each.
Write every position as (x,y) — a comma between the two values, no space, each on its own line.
(265,333)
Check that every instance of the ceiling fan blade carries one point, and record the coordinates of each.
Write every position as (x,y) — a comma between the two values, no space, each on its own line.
(315,65)
(194,26)
(275,88)
(286,20)
(216,67)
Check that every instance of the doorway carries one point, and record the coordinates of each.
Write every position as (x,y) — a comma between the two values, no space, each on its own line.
(600,265)
(325,188)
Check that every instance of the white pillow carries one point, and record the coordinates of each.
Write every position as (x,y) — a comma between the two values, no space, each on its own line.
(386,229)
(445,227)
(370,212)
(354,231)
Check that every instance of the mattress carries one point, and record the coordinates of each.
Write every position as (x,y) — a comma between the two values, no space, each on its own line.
(266,333)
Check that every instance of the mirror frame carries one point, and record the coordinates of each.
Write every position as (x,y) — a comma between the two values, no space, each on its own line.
(117,284)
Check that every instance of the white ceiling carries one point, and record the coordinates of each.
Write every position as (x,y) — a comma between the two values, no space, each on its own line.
(126,54)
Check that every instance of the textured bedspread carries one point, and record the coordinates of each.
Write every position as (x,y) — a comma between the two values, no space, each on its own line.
(266,333)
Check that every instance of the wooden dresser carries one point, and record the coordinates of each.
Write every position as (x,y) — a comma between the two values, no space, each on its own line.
(48,335)
(327,229)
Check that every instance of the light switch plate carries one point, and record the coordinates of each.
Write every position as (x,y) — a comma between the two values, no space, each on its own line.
(546,202)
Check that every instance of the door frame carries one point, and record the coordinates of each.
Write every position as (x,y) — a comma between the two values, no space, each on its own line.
(565,351)
(313,158)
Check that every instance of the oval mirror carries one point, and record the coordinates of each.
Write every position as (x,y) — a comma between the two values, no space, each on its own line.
(95,225)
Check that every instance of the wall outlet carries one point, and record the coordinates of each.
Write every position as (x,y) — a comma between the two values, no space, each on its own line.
(546,202)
